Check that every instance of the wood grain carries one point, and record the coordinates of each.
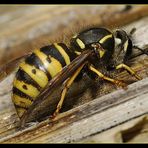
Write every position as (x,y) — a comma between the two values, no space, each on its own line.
(133,131)
(93,117)
(90,114)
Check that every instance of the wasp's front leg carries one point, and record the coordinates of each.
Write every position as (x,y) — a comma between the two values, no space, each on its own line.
(129,69)
(67,85)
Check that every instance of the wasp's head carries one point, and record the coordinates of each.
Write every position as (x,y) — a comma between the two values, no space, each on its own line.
(123,49)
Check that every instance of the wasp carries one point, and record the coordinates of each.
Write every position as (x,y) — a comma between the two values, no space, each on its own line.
(46,68)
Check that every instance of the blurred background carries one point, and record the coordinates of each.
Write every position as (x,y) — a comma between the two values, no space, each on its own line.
(25,27)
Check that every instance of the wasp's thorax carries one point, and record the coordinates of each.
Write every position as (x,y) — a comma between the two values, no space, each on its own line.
(100,40)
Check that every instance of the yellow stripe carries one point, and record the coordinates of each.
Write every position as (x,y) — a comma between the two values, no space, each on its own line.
(74,36)
(30,91)
(80,43)
(22,102)
(54,67)
(63,53)
(39,77)
(20,111)
(101,53)
(105,38)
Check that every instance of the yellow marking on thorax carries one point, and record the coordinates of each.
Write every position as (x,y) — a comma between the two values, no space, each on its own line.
(39,77)
(77,52)
(101,53)
(80,43)
(74,36)
(20,101)
(63,53)
(30,91)
(52,67)
(105,38)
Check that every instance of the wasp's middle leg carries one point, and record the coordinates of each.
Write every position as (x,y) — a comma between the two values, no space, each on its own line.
(116,82)
(67,85)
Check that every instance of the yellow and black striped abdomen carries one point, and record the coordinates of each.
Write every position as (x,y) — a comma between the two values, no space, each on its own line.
(36,71)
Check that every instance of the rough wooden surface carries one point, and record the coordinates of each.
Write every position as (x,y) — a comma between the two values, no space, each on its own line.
(93,117)
(101,113)
(133,131)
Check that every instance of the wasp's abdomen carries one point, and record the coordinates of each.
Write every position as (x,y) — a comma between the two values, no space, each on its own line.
(36,71)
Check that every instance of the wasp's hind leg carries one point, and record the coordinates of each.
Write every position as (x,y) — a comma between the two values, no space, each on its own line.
(128,69)
(67,85)
(116,82)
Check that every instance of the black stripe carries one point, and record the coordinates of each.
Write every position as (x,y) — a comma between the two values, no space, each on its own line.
(18,106)
(21,94)
(23,76)
(71,54)
(35,61)
(53,52)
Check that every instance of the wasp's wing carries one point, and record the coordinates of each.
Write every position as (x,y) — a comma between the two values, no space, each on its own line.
(8,68)
(56,81)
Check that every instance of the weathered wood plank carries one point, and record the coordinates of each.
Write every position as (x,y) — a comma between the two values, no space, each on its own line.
(133,131)
(9,120)
(90,118)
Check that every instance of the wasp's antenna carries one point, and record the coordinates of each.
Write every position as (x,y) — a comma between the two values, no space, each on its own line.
(132,31)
